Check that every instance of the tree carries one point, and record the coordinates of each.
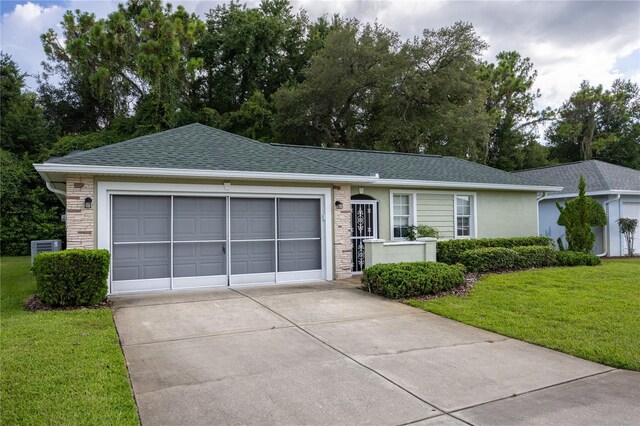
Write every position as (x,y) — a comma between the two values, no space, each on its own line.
(618,140)
(252,120)
(29,210)
(578,216)
(23,128)
(510,101)
(435,102)
(250,50)
(366,89)
(331,106)
(628,228)
(138,58)
(599,123)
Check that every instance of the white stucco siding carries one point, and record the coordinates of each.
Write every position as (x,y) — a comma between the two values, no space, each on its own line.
(503,214)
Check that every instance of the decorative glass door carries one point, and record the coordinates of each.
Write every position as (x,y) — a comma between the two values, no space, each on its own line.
(364,226)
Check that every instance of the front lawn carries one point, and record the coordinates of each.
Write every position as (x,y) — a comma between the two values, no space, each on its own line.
(58,367)
(590,312)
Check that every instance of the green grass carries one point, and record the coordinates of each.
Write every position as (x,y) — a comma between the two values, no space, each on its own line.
(589,312)
(58,367)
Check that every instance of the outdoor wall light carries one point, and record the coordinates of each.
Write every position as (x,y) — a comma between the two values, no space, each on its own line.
(338,205)
(87,202)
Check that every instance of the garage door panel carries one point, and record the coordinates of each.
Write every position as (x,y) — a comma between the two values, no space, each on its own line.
(199,218)
(199,259)
(299,218)
(302,255)
(145,218)
(252,257)
(156,229)
(252,219)
(140,261)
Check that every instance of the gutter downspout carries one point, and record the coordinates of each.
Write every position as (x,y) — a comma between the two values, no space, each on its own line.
(538,199)
(62,195)
(605,239)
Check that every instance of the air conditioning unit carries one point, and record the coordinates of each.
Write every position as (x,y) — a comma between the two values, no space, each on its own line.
(40,246)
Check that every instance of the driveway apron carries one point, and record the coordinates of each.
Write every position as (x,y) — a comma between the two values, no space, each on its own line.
(328,353)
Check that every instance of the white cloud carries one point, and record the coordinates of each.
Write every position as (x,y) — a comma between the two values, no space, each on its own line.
(30,11)
(20,32)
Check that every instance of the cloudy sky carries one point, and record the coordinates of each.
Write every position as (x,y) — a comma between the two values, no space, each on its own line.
(568,41)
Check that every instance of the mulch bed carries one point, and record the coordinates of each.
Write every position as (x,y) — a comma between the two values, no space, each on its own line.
(470,280)
(35,304)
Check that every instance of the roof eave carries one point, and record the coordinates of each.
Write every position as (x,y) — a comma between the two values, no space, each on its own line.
(198,173)
(466,185)
(44,168)
(594,193)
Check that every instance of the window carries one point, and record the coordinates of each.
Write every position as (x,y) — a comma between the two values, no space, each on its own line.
(401,214)
(463,216)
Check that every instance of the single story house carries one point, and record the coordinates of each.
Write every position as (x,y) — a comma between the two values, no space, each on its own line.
(616,188)
(197,207)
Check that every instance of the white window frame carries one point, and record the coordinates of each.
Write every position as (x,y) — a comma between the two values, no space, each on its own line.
(473,220)
(413,211)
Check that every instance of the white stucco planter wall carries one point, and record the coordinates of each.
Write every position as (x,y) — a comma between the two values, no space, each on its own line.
(381,251)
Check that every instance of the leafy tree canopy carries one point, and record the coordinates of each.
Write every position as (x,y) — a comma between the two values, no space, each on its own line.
(599,123)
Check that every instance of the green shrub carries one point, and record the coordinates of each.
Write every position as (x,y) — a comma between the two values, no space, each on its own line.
(578,216)
(461,267)
(535,256)
(421,231)
(72,277)
(449,251)
(575,258)
(489,259)
(402,280)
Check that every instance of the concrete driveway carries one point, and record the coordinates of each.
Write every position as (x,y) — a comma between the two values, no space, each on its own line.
(332,354)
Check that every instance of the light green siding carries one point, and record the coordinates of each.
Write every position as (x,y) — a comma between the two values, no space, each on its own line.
(506,214)
(499,213)
(436,210)
(382,195)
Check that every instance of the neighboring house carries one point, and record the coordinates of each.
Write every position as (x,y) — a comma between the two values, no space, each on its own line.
(616,188)
(196,206)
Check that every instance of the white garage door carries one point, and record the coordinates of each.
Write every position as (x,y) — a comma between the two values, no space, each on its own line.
(175,242)
(632,210)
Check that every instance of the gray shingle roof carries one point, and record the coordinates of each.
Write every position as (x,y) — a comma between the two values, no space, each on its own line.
(200,147)
(394,165)
(600,176)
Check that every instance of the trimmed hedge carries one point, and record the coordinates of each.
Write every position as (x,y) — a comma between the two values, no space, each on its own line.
(449,251)
(410,279)
(72,277)
(575,258)
(535,256)
(489,259)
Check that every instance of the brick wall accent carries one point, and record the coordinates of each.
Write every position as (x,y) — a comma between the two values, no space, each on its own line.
(80,221)
(342,232)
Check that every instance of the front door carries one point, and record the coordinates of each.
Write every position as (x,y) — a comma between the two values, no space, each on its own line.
(364,226)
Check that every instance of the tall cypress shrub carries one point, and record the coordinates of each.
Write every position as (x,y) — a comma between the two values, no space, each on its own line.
(578,216)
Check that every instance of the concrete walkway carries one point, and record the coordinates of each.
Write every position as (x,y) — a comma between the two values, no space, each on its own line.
(332,354)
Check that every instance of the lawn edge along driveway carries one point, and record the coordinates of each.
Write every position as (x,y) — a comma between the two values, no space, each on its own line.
(589,312)
(59,367)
